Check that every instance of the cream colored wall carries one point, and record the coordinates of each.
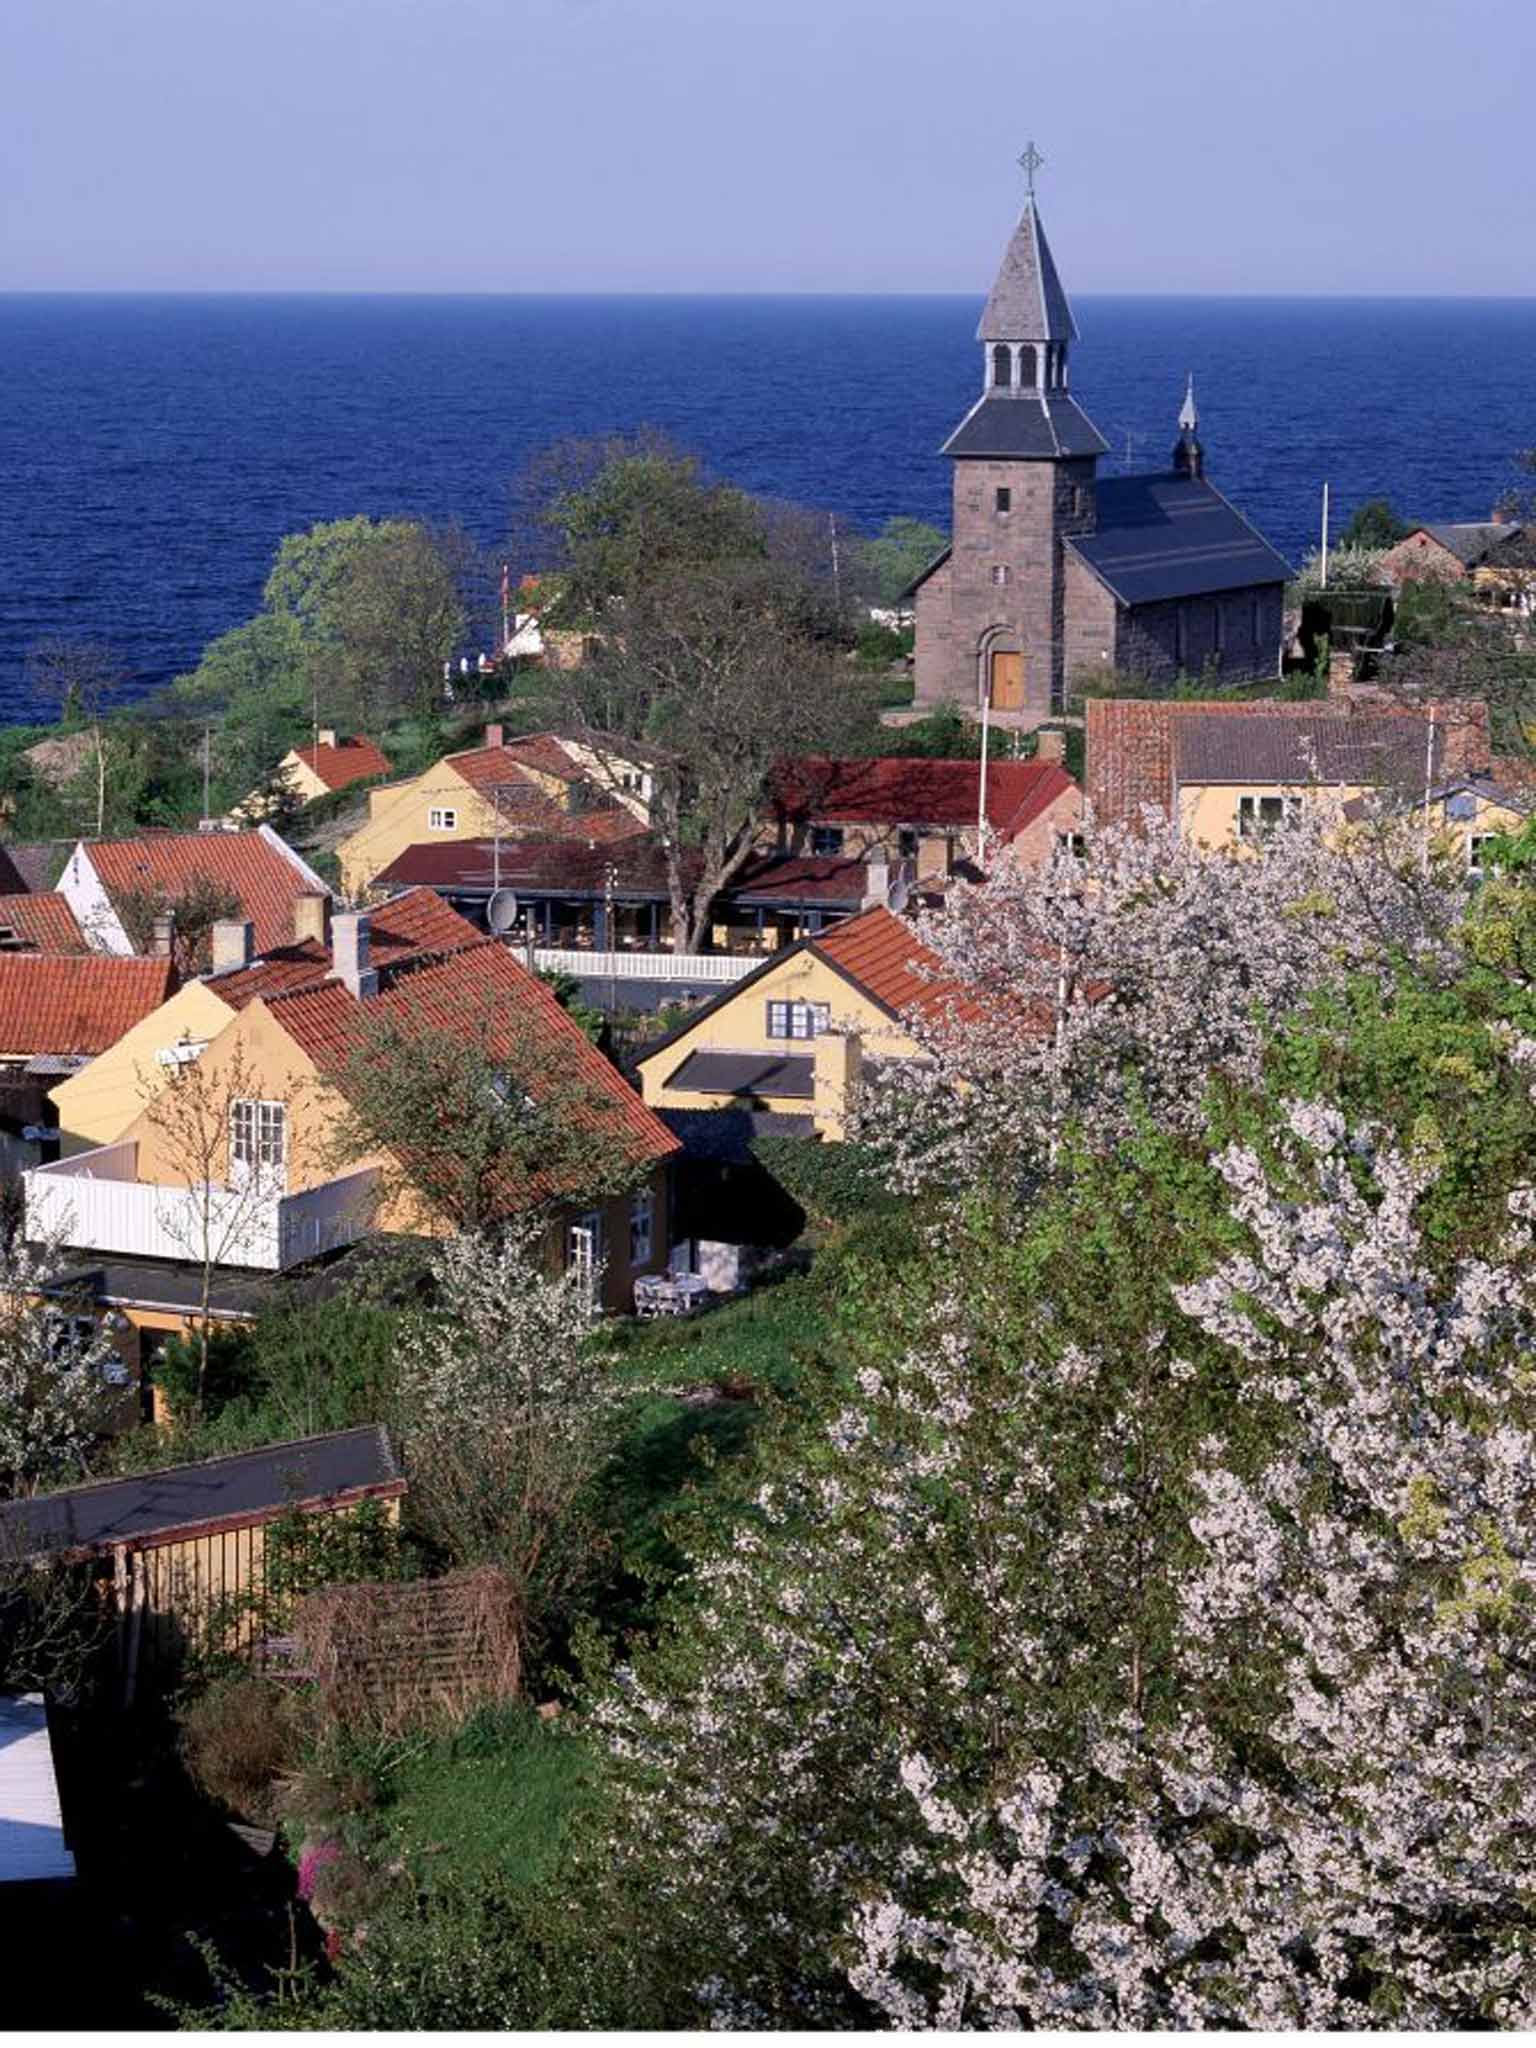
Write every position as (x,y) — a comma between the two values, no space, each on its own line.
(98,1104)
(402,822)
(741,1025)
(302,777)
(1452,834)
(1208,811)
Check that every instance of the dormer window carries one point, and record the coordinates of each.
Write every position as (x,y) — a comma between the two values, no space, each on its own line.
(1002,364)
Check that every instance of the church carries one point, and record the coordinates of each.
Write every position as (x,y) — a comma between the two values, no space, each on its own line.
(1053,574)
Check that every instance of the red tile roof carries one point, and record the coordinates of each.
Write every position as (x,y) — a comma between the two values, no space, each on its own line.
(896,790)
(883,954)
(78,1003)
(347,762)
(417,923)
(44,922)
(501,775)
(548,866)
(251,864)
(443,994)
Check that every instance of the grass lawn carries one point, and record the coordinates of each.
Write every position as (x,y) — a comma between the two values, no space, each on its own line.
(494,1799)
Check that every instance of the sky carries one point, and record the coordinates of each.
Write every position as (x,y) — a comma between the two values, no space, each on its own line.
(1228,146)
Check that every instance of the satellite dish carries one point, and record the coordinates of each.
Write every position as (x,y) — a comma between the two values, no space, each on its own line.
(501,911)
(901,892)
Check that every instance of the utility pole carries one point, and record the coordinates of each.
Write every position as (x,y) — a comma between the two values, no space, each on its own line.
(837,575)
(981,794)
(1323,577)
(610,937)
(207,768)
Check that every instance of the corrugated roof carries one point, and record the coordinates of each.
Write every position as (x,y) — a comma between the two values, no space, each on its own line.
(522,1019)
(746,1073)
(1359,751)
(254,866)
(896,790)
(32,1845)
(1161,537)
(44,921)
(403,929)
(1024,427)
(1026,302)
(156,1506)
(76,1003)
(349,761)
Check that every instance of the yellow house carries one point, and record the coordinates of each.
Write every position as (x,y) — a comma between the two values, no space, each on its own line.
(1235,779)
(334,762)
(97,1105)
(241,1173)
(792,1036)
(536,787)
(1469,811)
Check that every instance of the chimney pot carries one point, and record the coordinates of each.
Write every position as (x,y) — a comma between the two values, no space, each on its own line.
(312,919)
(326,736)
(233,944)
(351,946)
(493,735)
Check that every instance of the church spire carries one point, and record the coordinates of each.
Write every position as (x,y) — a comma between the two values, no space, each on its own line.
(1188,455)
(1027,323)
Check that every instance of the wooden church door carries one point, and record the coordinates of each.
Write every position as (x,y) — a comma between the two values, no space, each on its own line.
(1007,681)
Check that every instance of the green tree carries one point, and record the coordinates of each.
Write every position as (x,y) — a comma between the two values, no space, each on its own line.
(1374,525)
(902,549)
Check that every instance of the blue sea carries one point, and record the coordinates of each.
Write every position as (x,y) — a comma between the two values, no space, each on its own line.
(153,451)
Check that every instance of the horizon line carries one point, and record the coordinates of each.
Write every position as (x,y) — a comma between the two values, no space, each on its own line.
(601,292)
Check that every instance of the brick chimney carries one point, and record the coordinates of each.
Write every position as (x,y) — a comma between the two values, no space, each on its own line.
(326,736)
(233,944)
(877,882)
(162,941)
(1050,744)
(836,1060)
(350,950)
(493,735)
(312,919)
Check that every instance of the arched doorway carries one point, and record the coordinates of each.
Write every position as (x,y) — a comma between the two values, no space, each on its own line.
(1003,667)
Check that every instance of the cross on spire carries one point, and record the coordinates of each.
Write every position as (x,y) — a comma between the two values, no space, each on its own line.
(1030,162)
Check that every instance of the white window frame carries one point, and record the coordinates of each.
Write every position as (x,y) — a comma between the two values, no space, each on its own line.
(442,818)
(642,1226)
(258,1141)
(1073,845)
(1476,841)
(584,1254)
(1252,823)
(797,1021)
(837,837)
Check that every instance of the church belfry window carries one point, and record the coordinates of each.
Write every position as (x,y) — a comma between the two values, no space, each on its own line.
(1002,364)
(1027,372)
(1004,498)
(1000,574)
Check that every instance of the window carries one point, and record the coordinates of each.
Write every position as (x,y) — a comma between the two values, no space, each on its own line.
(1000,574)
(1257,815)
(907,842)
(1002,364)
(584,1255)
(1478,843)
(826,840)
(1074,844)
(1004,498)
(642,1226)
(439,820)
(798,1020)
(258,1141)
(1079,501)
(1027,372)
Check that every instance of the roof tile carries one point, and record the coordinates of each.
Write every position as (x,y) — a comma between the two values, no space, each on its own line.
(350,761)
(253,865)
(44,922)
(78,1003)
(410,925)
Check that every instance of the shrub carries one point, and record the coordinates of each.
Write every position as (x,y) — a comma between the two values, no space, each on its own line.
(240,1738)
(831,1182)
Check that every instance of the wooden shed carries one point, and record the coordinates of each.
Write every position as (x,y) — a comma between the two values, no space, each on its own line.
(184,1542)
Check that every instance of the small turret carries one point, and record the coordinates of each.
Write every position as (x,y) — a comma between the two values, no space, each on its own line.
(1188,455)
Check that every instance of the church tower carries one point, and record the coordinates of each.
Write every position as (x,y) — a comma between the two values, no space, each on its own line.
(990,614)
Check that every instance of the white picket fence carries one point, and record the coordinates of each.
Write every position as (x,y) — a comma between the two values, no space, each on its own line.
(687,967)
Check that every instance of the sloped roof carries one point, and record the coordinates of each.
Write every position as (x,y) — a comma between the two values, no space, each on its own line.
(176,1501)
(708,1072)
(408,926)
(448,994)
(1360,751)
(44,921)
(1169,536)
(1024,426)
(1472,541)
(349,761)
(501,775)
(34,864)
(13,881)
(902,790)
(883,954)
(255,866)
(76,1003)
(555,866)
(1026,302)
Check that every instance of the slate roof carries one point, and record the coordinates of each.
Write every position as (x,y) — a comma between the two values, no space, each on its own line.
(406,927)
(747,1073)
(1473,541)
(34,864)
(349,761)
(12,880)
(482,987)
(1024,426)
(896,790)
(1026,302)
(158,1507)
(1161,537)
(76,1003)
(44,922)
(256,866)
(1356,750)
